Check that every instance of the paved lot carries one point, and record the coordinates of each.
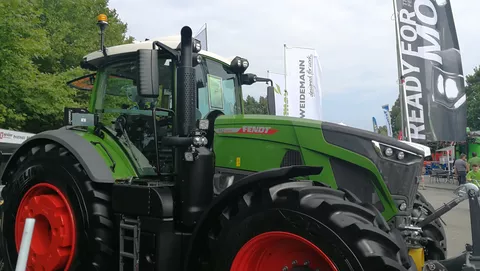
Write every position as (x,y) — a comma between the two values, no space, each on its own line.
(457,220)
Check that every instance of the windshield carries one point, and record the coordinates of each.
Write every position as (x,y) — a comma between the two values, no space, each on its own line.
(120,87)
(218,88)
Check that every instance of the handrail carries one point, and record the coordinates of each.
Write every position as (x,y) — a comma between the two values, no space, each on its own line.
(25,244)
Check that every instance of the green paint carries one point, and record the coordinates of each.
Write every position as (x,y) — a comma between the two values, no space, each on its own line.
(259,152)
(124,169)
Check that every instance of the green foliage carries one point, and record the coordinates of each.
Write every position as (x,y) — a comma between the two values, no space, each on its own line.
(396,117)
(42,44)
(383,130)
(473,99)
(251,106)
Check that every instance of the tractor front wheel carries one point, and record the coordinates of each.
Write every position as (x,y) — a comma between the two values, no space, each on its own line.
(73,227)
(300,226)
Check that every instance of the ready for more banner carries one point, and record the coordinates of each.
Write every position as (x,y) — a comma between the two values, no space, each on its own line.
(431,70)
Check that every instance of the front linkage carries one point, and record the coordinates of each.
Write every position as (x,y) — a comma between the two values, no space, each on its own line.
(470,259)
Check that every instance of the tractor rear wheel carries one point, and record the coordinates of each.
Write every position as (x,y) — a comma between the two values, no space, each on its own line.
(300,226)
(73,227)
(436,249)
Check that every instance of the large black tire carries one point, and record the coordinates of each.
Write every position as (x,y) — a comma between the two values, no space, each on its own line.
(353,236)
(436,249)
(53,166)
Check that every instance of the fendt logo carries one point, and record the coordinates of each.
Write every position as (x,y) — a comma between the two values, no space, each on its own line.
(257,130)
(248,130)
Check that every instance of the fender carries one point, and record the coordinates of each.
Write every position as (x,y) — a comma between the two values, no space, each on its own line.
(91,161)
(258,180)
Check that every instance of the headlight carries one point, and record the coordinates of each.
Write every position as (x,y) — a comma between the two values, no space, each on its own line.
(199,141)
(197,46)
(196,59)
(396,154)
(239,65)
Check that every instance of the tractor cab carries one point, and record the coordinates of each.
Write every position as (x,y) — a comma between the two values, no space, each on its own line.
(117,105)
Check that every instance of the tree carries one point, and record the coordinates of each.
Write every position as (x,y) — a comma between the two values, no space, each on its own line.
(383,130)
(251,106)
(396,117)
(472,90)
(43,42)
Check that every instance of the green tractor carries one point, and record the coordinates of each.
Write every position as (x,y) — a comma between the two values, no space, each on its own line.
(164,172)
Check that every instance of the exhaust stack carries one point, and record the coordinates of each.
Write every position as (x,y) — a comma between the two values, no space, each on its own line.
(186,95)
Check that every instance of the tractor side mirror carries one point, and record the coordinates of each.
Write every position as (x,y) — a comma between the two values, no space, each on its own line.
(248,78)
(271,100)
(147,63)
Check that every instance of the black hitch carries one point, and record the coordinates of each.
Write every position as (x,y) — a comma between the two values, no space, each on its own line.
(470,259)
(440,211)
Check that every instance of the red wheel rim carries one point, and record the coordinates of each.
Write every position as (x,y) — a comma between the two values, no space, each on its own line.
(277,251)
(54,235)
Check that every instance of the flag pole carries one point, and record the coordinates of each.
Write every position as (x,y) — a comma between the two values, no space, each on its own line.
(285,64)
(206,38)
(403,95)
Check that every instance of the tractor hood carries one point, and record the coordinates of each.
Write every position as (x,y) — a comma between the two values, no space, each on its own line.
(361,161)
(273,127)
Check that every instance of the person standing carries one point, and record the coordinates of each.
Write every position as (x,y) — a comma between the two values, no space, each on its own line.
(474,175)
(461,169)
(474,160)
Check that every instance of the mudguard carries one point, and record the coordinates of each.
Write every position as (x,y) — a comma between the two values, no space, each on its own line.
(262,179)
(91,161)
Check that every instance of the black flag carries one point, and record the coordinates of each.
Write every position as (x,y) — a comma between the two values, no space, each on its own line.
(431,68)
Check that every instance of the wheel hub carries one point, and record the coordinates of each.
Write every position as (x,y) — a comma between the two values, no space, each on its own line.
(54,235)
(281,251)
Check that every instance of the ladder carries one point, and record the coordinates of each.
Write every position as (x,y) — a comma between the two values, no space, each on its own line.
(132,226)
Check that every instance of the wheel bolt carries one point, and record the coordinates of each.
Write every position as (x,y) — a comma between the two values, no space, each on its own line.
(307,262)
(294,262)
(284,268)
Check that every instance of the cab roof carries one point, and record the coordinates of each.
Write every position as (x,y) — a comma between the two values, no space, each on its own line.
(92,59)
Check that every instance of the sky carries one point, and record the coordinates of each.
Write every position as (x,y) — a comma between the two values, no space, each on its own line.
(355,41)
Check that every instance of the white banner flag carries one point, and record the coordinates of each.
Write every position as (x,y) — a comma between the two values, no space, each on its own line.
(303,83)
(13,137)
(386,111)
(281,95)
